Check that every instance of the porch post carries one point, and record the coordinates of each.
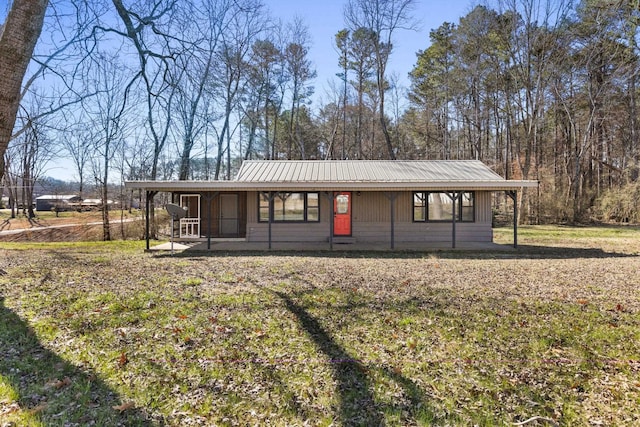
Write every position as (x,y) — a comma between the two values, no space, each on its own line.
(146,219)
(208,197)
(270,196)
(150,195)
(270,216)
(392,199)
(331,196)
(454,197)
(513,194)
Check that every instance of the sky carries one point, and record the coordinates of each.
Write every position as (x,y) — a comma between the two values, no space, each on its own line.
(324,19)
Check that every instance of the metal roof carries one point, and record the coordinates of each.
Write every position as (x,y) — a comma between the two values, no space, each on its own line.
(378,171)
(58,197)
(364,175)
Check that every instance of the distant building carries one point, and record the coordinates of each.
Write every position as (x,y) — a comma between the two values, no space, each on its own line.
(93,204)
(63,202)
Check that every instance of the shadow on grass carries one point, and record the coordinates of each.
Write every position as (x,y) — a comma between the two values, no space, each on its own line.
(51,390)
(552,252)
(35,222)
(357,402)
(523,252)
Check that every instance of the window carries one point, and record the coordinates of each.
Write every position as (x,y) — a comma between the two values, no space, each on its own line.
(437,206)
(467,207)
(313,207)
(420,207)
(290,207)
(342,204)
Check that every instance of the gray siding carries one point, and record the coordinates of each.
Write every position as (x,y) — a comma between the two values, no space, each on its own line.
(422,232)
(371,222)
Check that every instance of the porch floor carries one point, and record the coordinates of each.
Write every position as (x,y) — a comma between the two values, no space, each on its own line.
(244,246)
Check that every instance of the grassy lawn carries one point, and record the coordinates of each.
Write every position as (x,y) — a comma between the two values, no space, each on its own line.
(104,334)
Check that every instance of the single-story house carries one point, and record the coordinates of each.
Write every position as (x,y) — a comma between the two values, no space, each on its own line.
(341,201)
(61,202)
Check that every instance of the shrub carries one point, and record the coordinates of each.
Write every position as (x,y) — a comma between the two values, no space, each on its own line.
(621,204)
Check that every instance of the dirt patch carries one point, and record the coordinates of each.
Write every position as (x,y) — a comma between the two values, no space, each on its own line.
(76,233)
(69,227)
(48,219)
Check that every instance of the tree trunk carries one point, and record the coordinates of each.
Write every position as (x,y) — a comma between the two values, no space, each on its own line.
(106,228)
(383,119)
(18,39)
(633,115)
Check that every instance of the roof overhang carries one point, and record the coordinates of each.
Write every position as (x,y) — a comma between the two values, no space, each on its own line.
(210,186)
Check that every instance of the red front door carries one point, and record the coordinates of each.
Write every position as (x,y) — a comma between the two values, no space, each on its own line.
(342,214)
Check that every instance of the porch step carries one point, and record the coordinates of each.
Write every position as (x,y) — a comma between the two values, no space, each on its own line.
(340,240)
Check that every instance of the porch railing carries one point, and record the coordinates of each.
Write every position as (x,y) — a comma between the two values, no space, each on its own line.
(189,227)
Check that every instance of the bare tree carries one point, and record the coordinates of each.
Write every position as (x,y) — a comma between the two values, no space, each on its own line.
(155,49)
(29,155)
(330,117)
(244,28)
(300,71)
(37,150)
(264,59)
(342,44)
(108,115)
(204,28)
(76,142)
(361,56)
(149,29)
(384,18)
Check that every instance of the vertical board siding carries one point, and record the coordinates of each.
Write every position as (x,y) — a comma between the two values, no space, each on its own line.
(252,207)
(483,207)
(372,221)
(422,232)
(288,232)
(242,214)
(370,207)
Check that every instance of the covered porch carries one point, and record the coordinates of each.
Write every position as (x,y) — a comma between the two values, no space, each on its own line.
(336,204)
(209,214)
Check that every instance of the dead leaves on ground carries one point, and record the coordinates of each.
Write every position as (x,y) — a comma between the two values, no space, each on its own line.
(39,408)
(124,407)
(58,384)
(122,360)
(472,321)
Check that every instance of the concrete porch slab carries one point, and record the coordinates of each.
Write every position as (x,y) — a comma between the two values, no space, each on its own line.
(167,247)
(244,246)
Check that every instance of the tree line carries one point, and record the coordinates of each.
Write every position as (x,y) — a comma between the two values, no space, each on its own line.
(166,89)
(538,90)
